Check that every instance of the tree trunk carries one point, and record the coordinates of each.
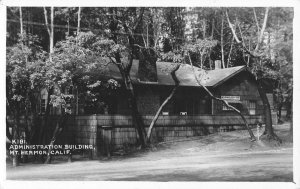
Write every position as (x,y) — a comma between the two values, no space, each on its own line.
(225,103)
(248,57)
(13,136)
(148,45)
(15,133)
(163,104)
(291,125)
(15,159)
(256,21)
(201,61)
(222,44)
(229,55)
(8,134)
(58,129)
(267,112)
(279,106)
(212,37)
(45,123)
(68,27)
(21,21)
(260,37)
(136,118)
(288,109)
(125,72)
(27,132)
(46,117)
(22,32)
(78,20)
(52,31)
(204,28)
(15,130)
(26,126)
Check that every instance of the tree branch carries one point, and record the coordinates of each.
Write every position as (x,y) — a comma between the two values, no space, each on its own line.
(243,41)
(173,74)
(253,54)
(256,21)
(232,29)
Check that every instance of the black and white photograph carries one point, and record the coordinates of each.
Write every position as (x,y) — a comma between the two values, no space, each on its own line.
(159,94)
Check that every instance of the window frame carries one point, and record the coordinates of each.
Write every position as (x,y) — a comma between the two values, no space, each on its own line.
(252,107)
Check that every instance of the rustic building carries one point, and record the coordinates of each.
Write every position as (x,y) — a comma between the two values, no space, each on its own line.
(236,85)
(190,112)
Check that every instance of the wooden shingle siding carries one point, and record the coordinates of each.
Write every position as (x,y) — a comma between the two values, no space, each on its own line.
(167,128)
(89,129)
(243,86)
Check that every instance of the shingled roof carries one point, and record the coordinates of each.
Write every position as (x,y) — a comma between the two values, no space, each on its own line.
(185,75)
(208,78)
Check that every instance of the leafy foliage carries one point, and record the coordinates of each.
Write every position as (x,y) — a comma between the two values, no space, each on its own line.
(113,33)
(23,62)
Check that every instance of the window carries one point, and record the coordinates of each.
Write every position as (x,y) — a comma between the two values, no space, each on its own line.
(193,106)
(225,107)
(233,101)
(188,102)
(181,106)
(204,106)
(252,107)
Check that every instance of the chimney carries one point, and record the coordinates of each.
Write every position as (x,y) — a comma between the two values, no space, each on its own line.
(218,64)
(147,66)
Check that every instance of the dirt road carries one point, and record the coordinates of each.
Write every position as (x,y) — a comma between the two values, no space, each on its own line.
(219,157)
(260,166)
